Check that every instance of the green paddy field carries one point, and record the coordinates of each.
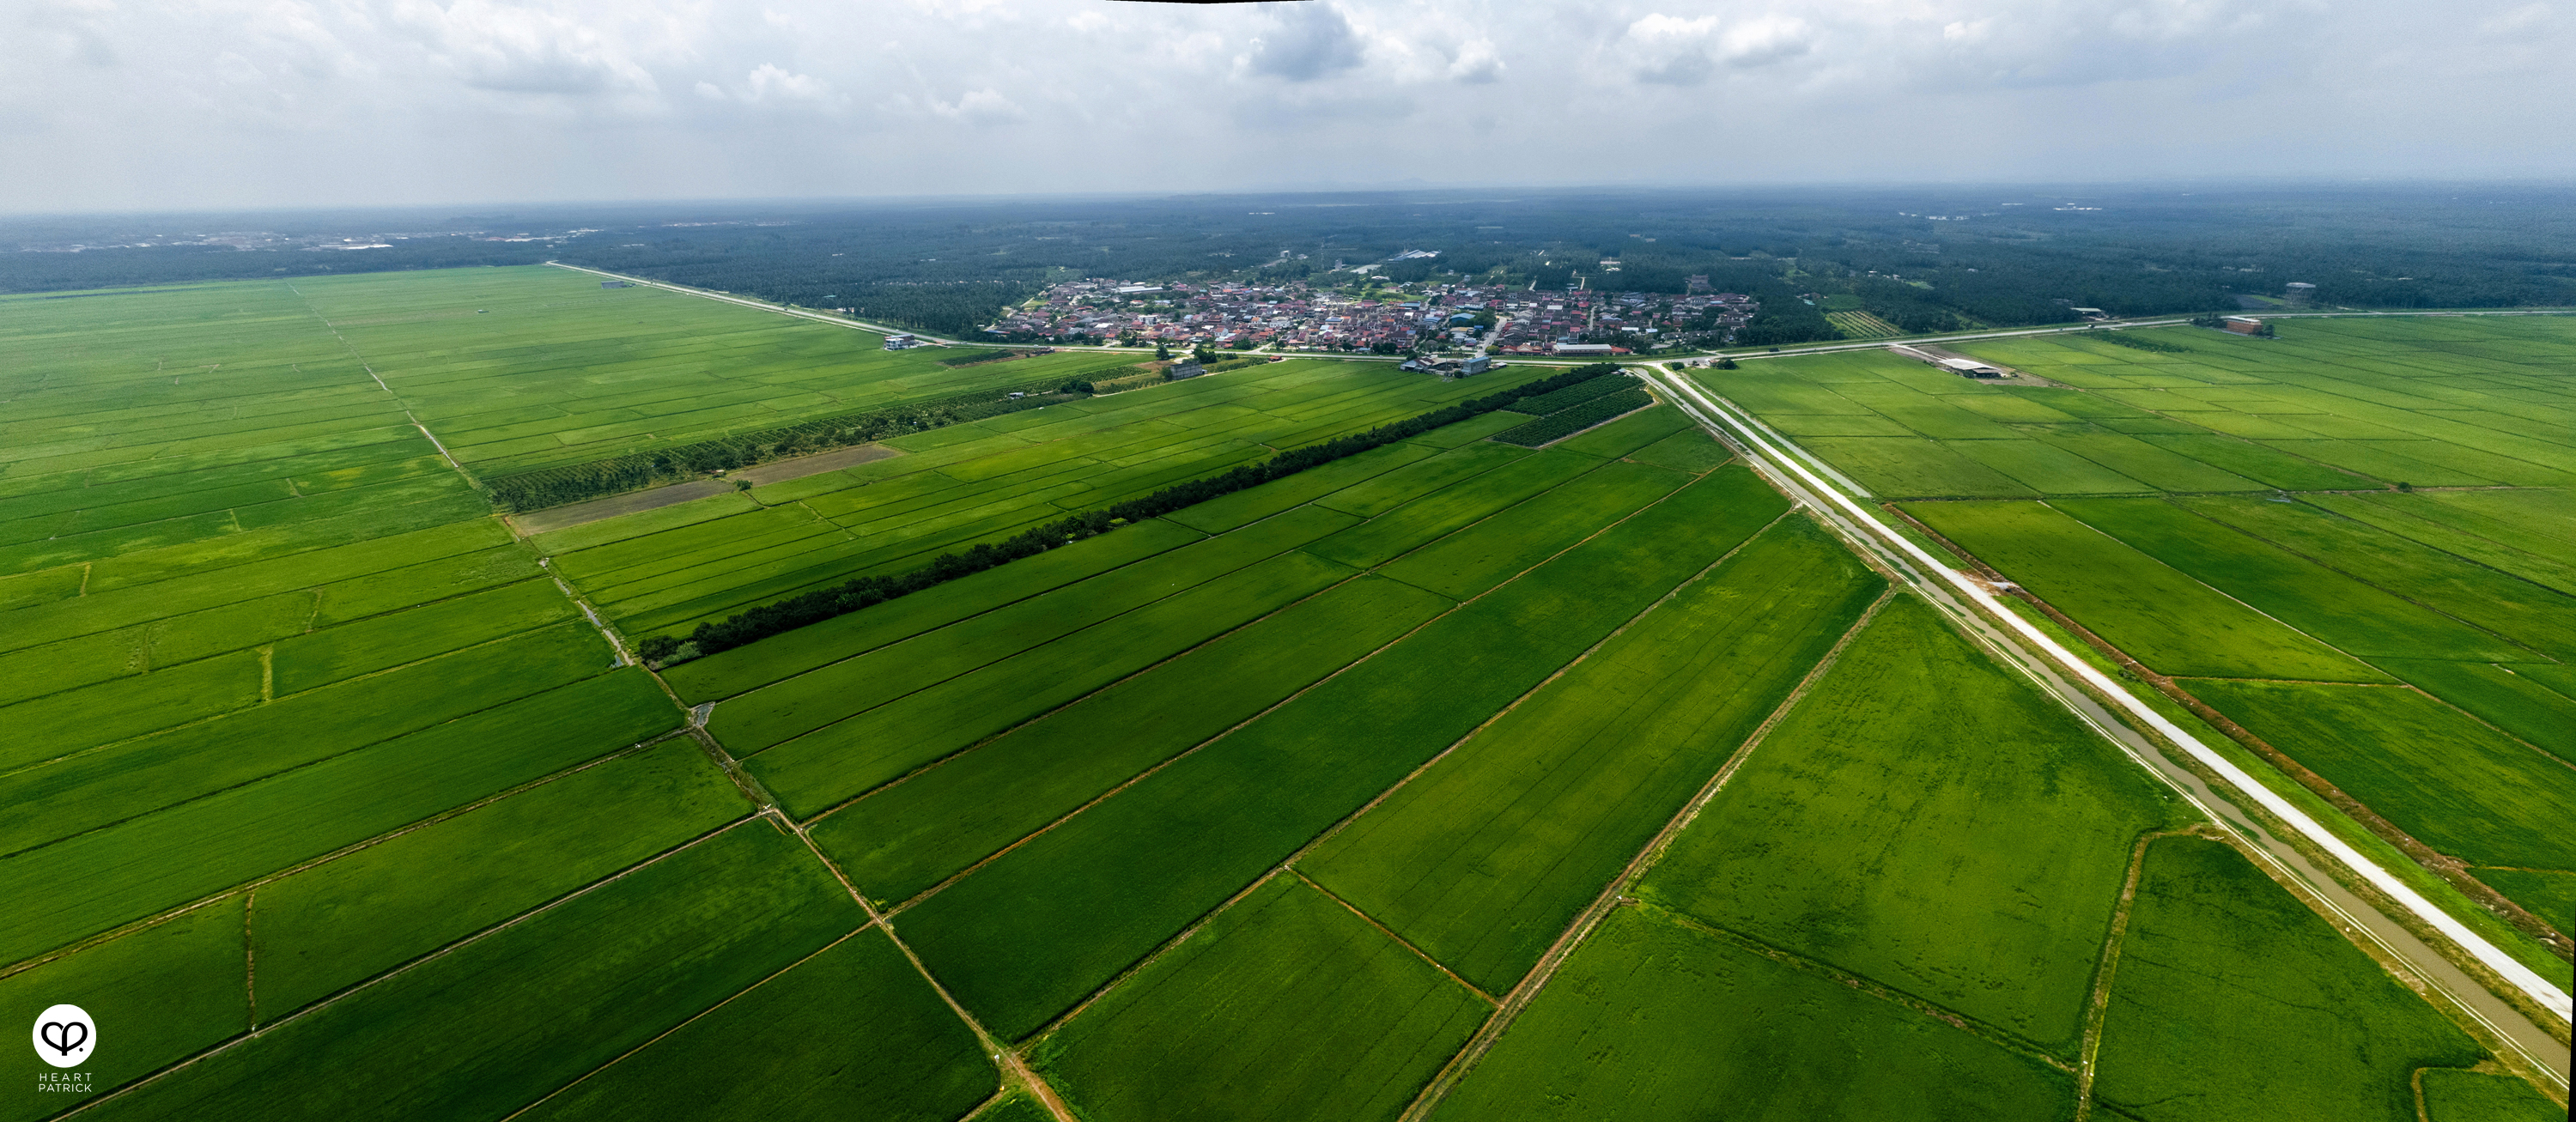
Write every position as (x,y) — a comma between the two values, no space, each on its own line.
(1548,765)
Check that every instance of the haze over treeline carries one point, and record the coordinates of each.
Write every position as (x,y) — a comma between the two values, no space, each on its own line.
(1932,258)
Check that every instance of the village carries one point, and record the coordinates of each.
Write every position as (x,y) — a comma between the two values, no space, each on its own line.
(1412,318)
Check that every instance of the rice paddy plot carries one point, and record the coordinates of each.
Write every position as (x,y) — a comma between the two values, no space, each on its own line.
(1932,822)
(1691,450)
(166,991)
(2509,696)
(2158,615)
(500,1021)
(1024,937)
(2218,965)
(2453,1095)
(1285,1006)
(1630,433)
(2551,896)
(839,761)
(2354,616)
(1656,1018)
(94,788)
(1484,859)
(1484,555)
(2271,467)
(2498,544)
(1911,467)
(2048,469)
(791,708)
(2536,617)
(1397,532)
(2448,781)
(854,1027)
(84,884)
(345,920)
(907,837)
(2137,459)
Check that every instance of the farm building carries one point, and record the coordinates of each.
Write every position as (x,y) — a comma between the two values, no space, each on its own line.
(1970,368)
(1184,370)
(2299,292)
(1583,348)
(901,341)
(2242,325)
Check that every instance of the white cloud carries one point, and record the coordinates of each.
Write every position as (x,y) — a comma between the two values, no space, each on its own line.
(338,101)
(1312,40)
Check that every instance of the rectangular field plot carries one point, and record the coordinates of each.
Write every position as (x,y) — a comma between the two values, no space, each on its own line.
(337,923)
(2540,618)
(1653,1018)
(576,986)
(1470,561)
(1024,937)
(1484,859)
(2337,609)
(1914,467)
(2511,696)
(2448,781)
(2158,615)
(2220,964)
(1286,1006)
(778,713)
(177,987)
(148,863)
(812,772)
(2518,546)
(1925,819)
(906,837)
(855,1024)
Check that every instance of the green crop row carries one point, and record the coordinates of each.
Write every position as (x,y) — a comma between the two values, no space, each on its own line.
(1484,859)
(904,838)
(1028,934)
(1928,819)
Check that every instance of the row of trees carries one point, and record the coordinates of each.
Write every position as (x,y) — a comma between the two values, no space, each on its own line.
(814,607)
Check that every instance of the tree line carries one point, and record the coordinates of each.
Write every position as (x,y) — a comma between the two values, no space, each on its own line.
(822,604)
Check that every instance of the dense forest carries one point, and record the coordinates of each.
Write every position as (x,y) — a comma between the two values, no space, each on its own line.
(1923,259)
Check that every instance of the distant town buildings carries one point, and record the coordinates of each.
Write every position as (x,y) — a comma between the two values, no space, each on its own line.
(1294,317)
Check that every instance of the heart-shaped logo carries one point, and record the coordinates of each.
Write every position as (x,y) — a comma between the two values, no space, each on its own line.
(65,1035)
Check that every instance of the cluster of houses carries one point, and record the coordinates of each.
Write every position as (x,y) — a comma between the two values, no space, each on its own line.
(1578,322)
(1099,310)
(1296,317)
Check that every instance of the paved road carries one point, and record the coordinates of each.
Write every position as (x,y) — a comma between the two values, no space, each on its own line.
(2051,665)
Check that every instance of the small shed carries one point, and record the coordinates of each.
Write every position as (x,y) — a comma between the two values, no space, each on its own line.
(1970,368)
(1185,370)
(2242,325)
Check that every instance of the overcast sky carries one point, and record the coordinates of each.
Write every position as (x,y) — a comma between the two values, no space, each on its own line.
(187,104)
